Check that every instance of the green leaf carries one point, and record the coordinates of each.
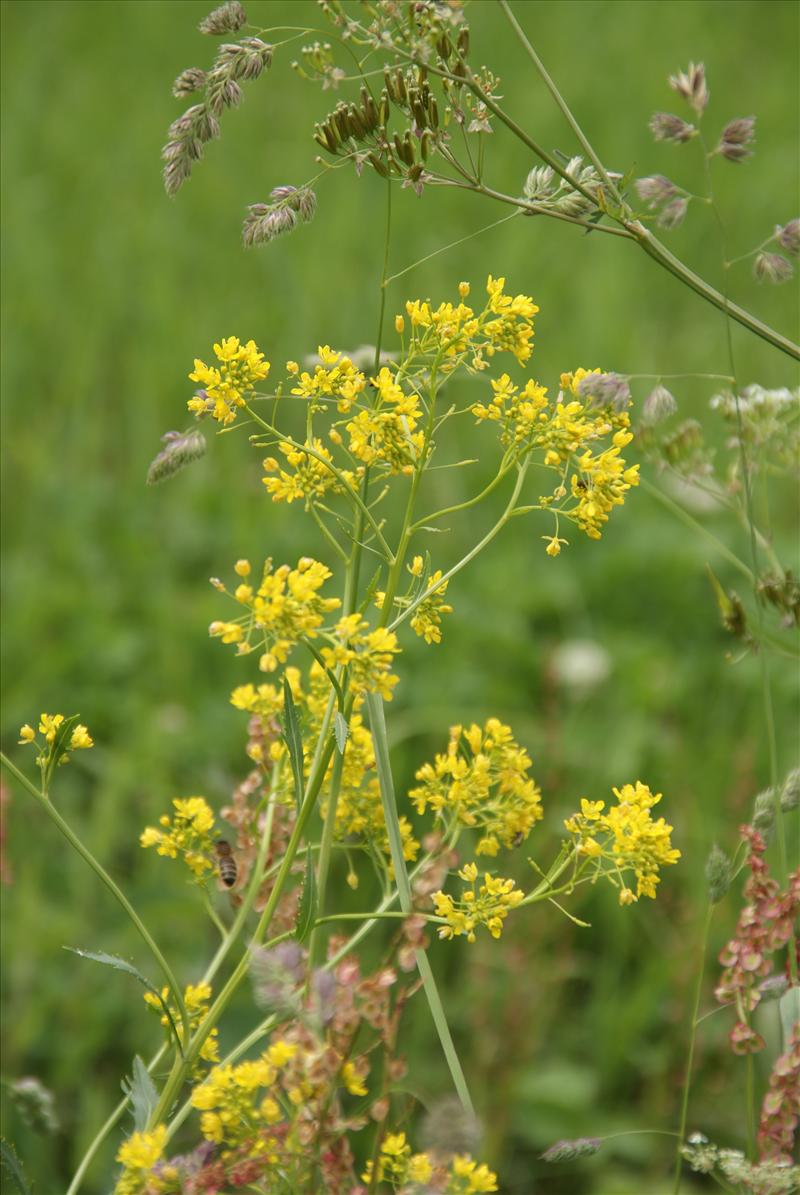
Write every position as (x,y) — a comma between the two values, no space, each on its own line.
(371,590)
(60,745)
(293,740)
(121,964)
(12,1166)
(341,730)
(308,904)
(141,1091)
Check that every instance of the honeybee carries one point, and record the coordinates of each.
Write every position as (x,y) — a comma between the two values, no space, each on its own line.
(226,864)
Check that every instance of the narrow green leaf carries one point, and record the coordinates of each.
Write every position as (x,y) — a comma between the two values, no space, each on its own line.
(141,1091)
(60,745)
(13,1168)
(121,964)
(341,730)
(371,590)
(377,722)
(293,740)
(308,904)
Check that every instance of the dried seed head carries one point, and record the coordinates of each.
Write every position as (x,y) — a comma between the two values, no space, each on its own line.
(181,448)
(658,406)
(565,1151)
(665,126)
(788,237)
(188,81)
(691,85)
(655,189)
(672,215)
(264,223)
(790,795)
(736,139)
(718,874)
(226,19)
(606,390)
(539,183)
(772,267)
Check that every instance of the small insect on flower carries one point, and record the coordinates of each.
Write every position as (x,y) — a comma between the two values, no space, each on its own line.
(226,864)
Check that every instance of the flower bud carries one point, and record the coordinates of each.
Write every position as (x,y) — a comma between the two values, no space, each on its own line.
(672,215)
(736,139)
(666,127)
(772,267)
(691,85)
(655,189)
(658,405)
(788,237)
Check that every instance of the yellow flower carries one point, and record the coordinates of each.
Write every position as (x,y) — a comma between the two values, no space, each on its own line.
(49,724)
(26,734)
(482,781)
(225,387)
(188,833)
(470,1178)
(489,905)
(143,1149)
(625,839)
(352,1080)
(80,739)
(553,544)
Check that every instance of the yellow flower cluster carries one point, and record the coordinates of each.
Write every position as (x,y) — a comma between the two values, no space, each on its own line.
(565,432)
(368,654)
(482,781)
(504,325)
(311,478)
(138,1155)
(49,726)
(398,1165)
(489,905)
(385,433)
(285,608)
(335,378)
(188,833)
(625,839)
(426,621)
(196,999)
(225,386)
(233,1101)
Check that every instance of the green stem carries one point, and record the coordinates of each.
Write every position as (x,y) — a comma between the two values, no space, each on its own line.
(487,539)
(561,102)
(680,513)
(309,450)
(115,891)
(687,1078)
(374,704)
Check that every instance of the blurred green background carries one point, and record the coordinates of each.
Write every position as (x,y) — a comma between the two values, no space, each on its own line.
(111,289)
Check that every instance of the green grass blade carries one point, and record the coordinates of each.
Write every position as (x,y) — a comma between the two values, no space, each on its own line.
(378,726)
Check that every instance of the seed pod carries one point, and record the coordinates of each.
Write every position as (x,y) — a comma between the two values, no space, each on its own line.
(463,42)
(433,113)
(377,164)
(384,108)
(425,144)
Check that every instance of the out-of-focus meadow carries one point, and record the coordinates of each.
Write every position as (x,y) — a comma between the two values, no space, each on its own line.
(110,291)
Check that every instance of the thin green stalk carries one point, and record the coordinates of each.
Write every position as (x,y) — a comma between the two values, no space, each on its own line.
(377,722)
(645,239)
(178,1075)
(309,450)
(687,1078)
(680,513)
(115,891)
(561,102)
(507,514)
